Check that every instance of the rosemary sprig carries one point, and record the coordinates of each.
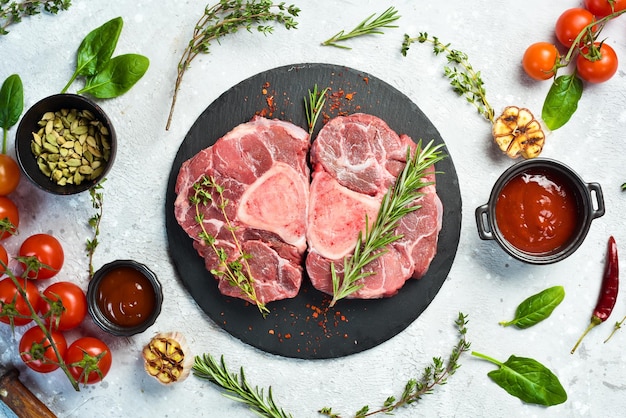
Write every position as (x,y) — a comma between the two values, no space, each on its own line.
(366,27)
(434,375)
(14,11)
(97,198)
(394,206)
(313,105)
(237,387)
(237,272)
(464,80)
(226,17)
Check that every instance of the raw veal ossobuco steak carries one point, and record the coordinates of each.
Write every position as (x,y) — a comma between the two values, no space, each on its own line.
(262,167)
(355,160)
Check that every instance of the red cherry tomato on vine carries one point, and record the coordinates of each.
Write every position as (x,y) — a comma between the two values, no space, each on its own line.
(88,359)
(63,305)
(9,175)
(571,23)
(4,257)
(602,8)
(48,250)
(37,351)
(540,60)
(9,217)
(597,71)
(13,303)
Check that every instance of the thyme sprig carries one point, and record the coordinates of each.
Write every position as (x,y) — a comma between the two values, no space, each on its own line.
(464,80)
(97,199)
(366,27)
(237,271)
(395,204)
(227,17)
(236,386)
(313,105)
(434,375)
(13,12)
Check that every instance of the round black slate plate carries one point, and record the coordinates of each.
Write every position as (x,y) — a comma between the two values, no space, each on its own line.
(305,327)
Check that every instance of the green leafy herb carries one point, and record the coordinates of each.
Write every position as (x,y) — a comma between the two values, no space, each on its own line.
(236,271)
(97,199)
(616,327)
(436,374)
(464,80)
(562,100)
(106,77)
(117,76)
(236,386)
(13,12)
(11,105)
(313,107)
(527,379)
(537,307)
(227,17)
(369,26)
(394,206)
(96,49)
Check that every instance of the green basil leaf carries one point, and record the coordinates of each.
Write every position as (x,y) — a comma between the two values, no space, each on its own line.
(11,101)
(562,100)
(97,48)
(117,76)
(537,307)
(530,381)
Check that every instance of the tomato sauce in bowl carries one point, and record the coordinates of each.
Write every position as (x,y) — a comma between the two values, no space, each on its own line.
(124,297)
(537,211)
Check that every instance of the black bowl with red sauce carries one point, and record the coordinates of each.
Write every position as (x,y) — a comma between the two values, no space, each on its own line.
(540,211)
(124,297)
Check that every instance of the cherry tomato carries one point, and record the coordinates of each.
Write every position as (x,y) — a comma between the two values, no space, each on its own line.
(571,23)
(12,303)
(89,360)
(48,250)
(9,217)
(63,305)
(597,71)
(37,351)
(4,257)
(540,60)
(9,175)
(602,8)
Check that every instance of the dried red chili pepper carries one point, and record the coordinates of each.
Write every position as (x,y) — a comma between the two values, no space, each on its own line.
(608,292)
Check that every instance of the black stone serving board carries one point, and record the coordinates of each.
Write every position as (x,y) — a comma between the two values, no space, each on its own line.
(305,327)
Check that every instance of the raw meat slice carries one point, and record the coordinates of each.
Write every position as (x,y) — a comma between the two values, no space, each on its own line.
(262,167)
(355,160)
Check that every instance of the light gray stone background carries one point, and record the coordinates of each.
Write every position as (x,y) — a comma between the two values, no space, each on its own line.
(484,282)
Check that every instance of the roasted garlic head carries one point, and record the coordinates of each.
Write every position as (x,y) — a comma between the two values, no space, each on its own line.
(517,132)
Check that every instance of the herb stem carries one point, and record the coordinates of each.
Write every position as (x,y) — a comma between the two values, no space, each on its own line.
(313,107)
(395,204)
(227,17)
(485,357)
(13,12)
(366,27)
(465,82)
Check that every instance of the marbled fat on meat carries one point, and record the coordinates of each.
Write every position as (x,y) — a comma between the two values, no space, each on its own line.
(355,160)
(262,165)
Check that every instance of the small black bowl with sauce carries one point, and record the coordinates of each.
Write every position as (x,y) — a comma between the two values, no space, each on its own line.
(124,297)
(540,211)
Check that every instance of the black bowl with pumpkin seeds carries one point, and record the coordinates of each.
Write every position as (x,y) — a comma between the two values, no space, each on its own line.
(65,144)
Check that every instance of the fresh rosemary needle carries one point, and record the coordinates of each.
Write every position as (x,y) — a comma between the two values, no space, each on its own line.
(313,105)
(236,386)
(366,27)
(395,204)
